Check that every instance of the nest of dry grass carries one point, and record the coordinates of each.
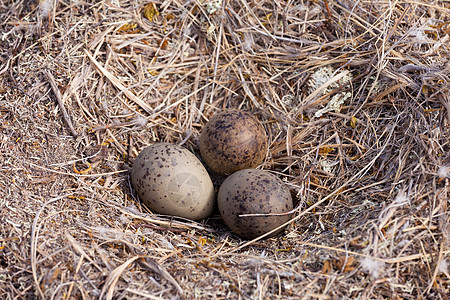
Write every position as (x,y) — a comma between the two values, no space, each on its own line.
(85,86)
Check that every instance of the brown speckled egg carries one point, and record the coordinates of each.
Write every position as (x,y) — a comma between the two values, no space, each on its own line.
(233,140)
(171,180)
(254,191)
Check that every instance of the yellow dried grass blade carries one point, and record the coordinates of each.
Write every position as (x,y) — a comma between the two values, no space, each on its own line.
(116,82)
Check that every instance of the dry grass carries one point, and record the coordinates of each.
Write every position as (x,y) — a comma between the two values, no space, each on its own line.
(86,85)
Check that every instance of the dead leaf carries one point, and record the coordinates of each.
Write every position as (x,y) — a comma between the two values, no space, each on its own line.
(353,121)
(327,268)
(347,260)
(127,27)
(150,11)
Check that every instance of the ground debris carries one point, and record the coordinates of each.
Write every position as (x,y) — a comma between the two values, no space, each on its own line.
(85,86)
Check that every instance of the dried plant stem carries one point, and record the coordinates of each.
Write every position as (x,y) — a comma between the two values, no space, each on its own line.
(58,96)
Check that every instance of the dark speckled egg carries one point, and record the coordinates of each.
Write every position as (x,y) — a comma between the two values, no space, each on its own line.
(233,140)
(171,180)
(254,191)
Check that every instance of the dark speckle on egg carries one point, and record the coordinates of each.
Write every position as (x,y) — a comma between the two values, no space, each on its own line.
(252,191)
(233,140)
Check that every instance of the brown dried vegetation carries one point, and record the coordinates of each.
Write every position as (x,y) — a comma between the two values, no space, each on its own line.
(84,86)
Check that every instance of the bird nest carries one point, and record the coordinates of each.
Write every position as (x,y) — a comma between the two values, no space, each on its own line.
(354,97)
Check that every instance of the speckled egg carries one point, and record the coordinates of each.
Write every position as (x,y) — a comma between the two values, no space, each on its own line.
(254,191)
(233,140)
(171,180)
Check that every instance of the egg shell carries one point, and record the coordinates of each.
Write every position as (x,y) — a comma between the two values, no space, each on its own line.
(233,140)
(171,180)
(254,191)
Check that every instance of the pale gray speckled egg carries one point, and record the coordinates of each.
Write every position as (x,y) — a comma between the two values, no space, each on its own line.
(171,180)
(252,191)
